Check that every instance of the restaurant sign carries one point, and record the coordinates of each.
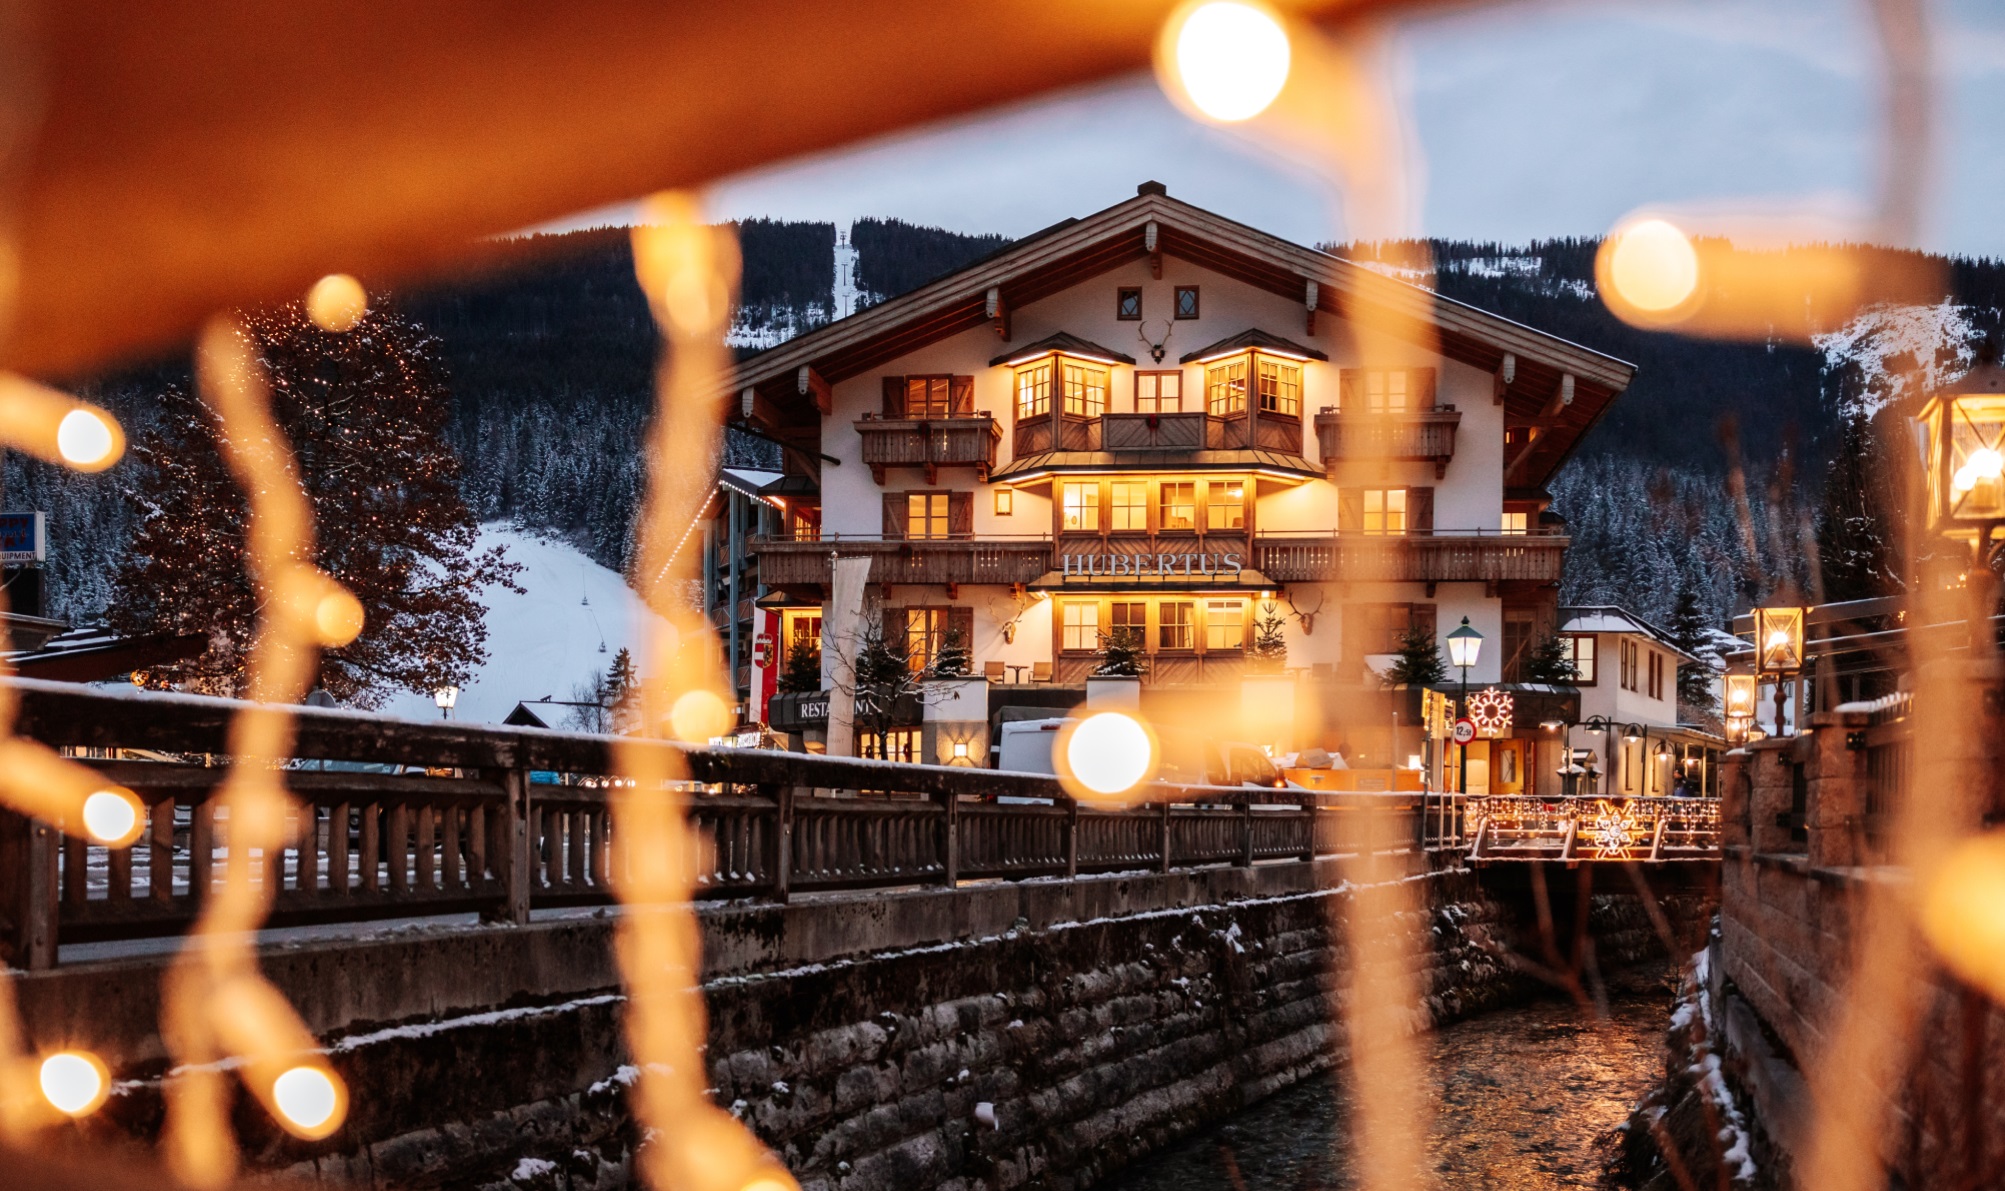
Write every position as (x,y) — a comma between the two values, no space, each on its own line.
(1211,567)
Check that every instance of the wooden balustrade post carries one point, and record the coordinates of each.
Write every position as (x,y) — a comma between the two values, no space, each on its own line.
(780,852)
(1071,838)
(1166,835)
(1246,831)
(950,839)
(29,904)
(512,864)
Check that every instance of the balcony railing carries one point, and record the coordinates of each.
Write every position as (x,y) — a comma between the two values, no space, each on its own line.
(1441,557)
(793,562)
(1426,435)
(932,443)
(1174,432)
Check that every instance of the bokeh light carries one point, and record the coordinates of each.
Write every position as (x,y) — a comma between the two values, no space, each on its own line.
(1108,753)
(74,1082)
(88,440)
(1231,58)
(336,303)
(1963,912)
(309,1099)
(113,816)
(1653,266)
(699,715)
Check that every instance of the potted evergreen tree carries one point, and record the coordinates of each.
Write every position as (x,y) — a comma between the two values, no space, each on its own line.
(1116,682)
(1269,654)
(1266,692)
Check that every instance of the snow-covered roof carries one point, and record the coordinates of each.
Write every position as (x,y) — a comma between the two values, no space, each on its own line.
(1608,618)
(748,480)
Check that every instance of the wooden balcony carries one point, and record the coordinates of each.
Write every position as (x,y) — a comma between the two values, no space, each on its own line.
(792,563)
(1416,558)
(1179,432)
(931,443)
(1415,435)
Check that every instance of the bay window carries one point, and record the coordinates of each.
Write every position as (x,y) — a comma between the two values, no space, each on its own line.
(1033,390)
(1280,387)
(1085,390)
(1225,387)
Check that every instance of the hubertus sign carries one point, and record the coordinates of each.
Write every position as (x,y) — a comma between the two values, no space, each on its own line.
(1212,566)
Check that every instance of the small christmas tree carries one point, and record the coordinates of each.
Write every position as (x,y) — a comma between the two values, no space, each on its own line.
(883,675)
(952,661)
(1419,661)
(1551,662)
(803,673)
(1269,654)
(1688,632)
(1121,655)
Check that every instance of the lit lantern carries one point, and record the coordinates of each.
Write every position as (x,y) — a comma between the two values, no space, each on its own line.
(1778,640)
(1740,696)
(1961,433)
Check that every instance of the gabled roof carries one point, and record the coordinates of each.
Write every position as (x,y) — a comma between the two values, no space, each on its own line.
(1062,342)
(1253,337)
(1608,618)
(1560,386)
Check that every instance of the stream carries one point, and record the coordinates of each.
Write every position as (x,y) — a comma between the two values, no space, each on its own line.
(1526,1097)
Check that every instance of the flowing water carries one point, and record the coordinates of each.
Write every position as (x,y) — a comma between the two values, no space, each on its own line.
(1525,1098)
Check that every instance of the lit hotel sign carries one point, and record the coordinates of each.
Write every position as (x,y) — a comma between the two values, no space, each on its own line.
(1208,567)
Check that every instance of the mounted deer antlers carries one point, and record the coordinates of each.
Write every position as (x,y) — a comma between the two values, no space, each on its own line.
(1156,344)
(1308,616)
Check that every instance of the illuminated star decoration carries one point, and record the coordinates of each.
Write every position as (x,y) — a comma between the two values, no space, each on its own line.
(1491,711)
(1612,829)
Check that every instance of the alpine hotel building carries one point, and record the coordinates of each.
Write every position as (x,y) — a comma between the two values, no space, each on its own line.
(1154,418)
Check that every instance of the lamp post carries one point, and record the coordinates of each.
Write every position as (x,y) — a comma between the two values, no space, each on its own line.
(1961,436)
(1631,733)
(1464,646)
(1778,650)
(446,697)
(1740,706)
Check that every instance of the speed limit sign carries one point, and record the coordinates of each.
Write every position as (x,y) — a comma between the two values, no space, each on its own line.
(1465,730)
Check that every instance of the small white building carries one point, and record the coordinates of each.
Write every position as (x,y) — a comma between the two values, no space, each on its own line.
(1628,680)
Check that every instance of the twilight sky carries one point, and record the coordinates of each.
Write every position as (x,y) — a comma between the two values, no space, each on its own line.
(1537,119)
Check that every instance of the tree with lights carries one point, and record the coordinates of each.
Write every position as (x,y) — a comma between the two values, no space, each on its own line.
(365,414)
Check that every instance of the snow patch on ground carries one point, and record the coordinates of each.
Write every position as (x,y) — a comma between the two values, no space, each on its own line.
(545,641)
(1894,347)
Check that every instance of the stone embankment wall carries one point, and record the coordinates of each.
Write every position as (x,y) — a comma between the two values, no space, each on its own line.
(1034,1034)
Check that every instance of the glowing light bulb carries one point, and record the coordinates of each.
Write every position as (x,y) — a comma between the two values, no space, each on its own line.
(1109,753)
(336,303)
(309,1100)
(1778,640)
(699,715)
(337,617)
(86,438)
(1231,59)
(112,817)
(1653,266)
(74,1082)
(1982,476)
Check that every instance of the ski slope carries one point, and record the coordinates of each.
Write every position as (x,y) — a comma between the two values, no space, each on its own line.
(546,640)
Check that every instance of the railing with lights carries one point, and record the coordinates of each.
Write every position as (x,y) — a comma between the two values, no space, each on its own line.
(399,818)
(1511,827)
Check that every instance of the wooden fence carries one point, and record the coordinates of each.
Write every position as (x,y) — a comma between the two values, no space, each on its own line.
(395,818)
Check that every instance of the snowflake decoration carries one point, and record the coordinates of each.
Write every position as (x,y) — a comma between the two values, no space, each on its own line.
(1491,711)
(1612,829)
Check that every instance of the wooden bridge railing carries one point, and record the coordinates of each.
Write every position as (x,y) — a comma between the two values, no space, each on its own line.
(395,818)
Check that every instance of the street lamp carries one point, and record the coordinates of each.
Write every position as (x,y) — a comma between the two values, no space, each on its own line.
(1778,650)
(1631,733)
(1464,646)
(1961,435)
(446,697)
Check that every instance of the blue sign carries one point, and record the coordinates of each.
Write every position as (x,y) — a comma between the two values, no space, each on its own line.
(24,537)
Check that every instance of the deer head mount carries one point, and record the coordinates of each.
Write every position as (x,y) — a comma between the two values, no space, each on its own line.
(1010,615)
(1157,341)
(1306,615)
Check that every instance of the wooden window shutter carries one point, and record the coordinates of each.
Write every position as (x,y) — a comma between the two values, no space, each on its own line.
(962,621)
(1422,617)
(1420,383)
(894,516)
(1350,510)
(1420,510)
(963,396)
(961,514)
(1348,399)
(894,396)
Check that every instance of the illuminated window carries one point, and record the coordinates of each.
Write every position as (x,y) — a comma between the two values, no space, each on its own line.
(926,514)
(1583,659)
(1159,392)
(1280,387)
(928,396)
(1224,624)
(1085,390)
(1177,505)
(1082,506)
(1186,301)
(1176,624)
(1384,510)
(1130,618)
(904,745)
(1225,504)
(925,628)
(1128,303)
(1081,626)
(1514,523)
(1225,387)
(1033,390)
(1386,391)
(804,629)
(1005,501)
(1130,506)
